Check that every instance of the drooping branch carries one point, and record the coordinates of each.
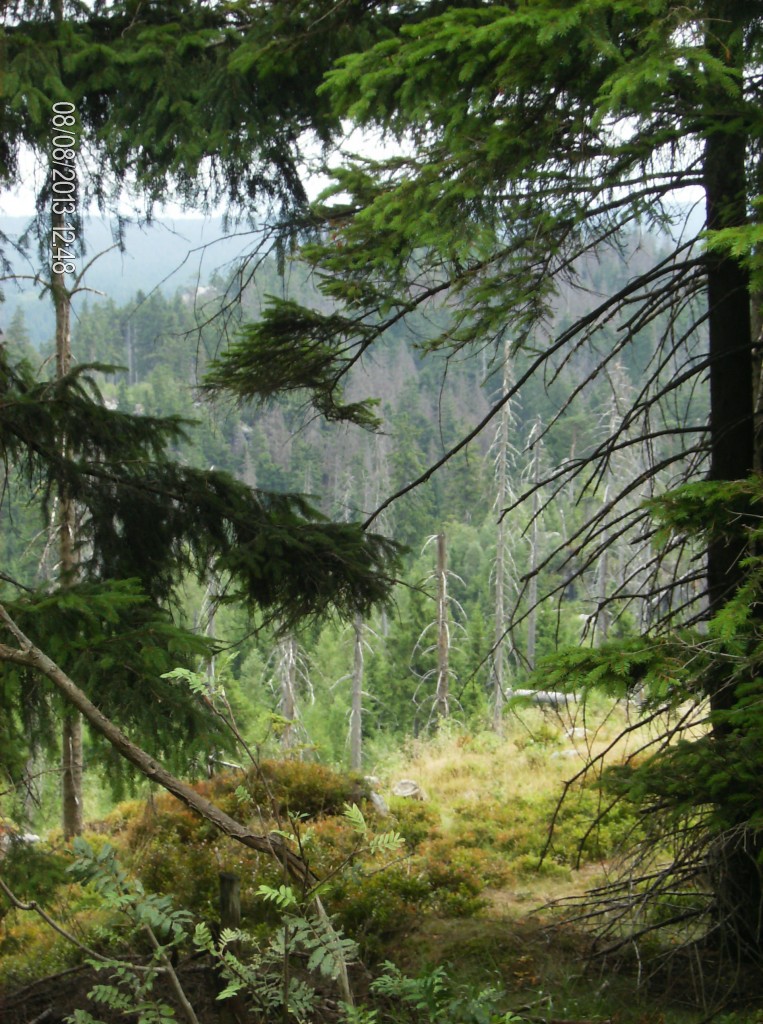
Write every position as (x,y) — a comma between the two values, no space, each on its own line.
(272,845)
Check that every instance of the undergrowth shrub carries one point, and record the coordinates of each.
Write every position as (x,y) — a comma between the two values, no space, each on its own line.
(542,734)
(531,864)
(414,820)
(331,840)
(517,827)
(433,998)
(455,886)
(22,933)
(584,833)
(378,909)
(480,867)
(301,787)
(32,872)
(176,851)
(511,826)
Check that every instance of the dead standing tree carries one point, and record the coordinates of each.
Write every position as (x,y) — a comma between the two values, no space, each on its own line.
(443,625)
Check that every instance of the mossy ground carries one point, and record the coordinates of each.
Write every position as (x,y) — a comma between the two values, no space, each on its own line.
(468,890)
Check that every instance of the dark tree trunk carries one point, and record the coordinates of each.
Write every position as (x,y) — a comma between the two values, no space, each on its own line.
(731,365)
(734,862)
(356,712)
(71,731)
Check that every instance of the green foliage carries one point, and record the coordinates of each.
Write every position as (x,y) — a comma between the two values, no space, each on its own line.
(433,997)
(619,668)
(379,910)
(117,891)
(130,989)
(146,518)
(302,787)
(257,974)
(163,93)
(256,366)
(283,896)
(385,842)
(32,872)
(415,821)
(302,931)
(116,643)
(538,133)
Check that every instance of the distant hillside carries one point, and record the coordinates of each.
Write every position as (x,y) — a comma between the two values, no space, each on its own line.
(169,255)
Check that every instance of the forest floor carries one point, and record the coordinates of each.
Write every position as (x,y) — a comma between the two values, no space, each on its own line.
(480,893)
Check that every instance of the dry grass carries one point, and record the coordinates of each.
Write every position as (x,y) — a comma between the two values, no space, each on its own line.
(475,843)
(480,789)
(538,752)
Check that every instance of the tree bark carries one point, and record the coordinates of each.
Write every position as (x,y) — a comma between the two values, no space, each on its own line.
(501,553)
(532,615)
(356,713)
(71,730)
(731,365)
(735,861)
(71,774)
(443,632)
(288,709)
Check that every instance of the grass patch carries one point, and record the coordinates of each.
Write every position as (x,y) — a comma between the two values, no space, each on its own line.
(465,893)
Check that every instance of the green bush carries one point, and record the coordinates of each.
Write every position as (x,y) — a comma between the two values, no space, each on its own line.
(414,820)
(583,833)
(300,787)
(378,909)
(531,864)
(32,872)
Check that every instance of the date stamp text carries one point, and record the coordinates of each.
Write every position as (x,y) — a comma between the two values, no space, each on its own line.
(64,188)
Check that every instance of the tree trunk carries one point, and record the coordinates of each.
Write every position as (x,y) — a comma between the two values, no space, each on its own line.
(288,672)
(532,615)
(731,369)
(501,553)
(735,864)
(71,774)
(356,714)
(602,613)
(499,657)
(71,737)
(443,632)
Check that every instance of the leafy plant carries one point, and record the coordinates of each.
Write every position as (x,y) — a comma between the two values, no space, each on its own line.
(131,987)
(432,997)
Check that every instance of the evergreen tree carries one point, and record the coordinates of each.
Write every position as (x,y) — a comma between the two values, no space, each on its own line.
(536,136)
(148,84)
(144,523)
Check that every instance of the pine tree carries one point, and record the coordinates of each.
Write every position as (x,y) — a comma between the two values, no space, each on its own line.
(536,135)
(148,84)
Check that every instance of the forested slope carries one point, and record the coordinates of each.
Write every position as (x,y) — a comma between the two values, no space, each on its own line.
(164,344)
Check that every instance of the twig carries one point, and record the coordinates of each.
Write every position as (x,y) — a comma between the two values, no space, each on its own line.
(174,980)
(37,909)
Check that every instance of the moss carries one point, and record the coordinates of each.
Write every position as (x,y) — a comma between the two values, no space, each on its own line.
(300,787)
